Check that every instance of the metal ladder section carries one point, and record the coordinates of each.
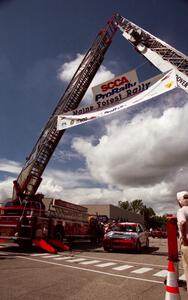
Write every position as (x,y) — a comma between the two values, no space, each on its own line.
(30,176)
(136,36)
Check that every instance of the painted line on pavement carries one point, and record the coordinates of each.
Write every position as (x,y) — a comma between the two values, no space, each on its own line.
(90,270)
(129,262)
(90,262)
(107,264)
(121,268)
(76,260)
(39,254)
(51,256)
(182,277)
(162,273)
(142,270)
(63,258)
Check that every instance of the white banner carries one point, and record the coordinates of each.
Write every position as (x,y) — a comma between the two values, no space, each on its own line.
(158,61)
(153,87)
(111,92)
(114,87)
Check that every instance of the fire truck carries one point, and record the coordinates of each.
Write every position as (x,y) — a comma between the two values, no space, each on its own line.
(45,222)
(30,217)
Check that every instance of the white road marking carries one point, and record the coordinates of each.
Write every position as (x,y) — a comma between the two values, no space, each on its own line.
(182,277)
(51,256)
(76,260)
(142,270)
(90,262)
(39,254)
(121,268)
(162,273)
(128,262)
(107,264)
(63,257)
(89,270)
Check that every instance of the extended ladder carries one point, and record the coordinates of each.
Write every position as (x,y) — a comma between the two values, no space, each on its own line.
(29,178)
(159,53)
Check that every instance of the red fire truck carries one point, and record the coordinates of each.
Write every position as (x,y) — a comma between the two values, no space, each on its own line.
(46,219)
(29,217)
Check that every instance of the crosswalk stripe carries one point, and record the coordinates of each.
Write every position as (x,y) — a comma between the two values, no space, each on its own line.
(162,273)
(142,270)
(105,264)
(39,254)
(51,256)
(182,277)
(90,262)
(63,258)
(121,268)
(97,263)
(76,260)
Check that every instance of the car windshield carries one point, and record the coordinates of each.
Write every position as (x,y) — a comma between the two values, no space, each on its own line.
(126,228)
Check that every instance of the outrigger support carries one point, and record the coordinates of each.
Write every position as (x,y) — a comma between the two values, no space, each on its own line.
(48,246)
(60,245)
(45,246)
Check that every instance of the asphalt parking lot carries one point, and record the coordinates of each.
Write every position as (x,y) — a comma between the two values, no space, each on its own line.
(84,273)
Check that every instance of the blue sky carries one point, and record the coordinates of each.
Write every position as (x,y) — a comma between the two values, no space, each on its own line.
(138,154)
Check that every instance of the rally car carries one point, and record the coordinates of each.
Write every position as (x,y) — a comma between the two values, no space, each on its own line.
(159,233)
(126,236)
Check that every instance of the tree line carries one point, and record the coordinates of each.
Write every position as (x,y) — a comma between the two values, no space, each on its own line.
(151,220)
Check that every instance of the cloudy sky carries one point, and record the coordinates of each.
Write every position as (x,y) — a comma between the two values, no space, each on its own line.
(140,153)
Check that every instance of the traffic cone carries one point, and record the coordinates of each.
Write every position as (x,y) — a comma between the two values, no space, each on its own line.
(172,289)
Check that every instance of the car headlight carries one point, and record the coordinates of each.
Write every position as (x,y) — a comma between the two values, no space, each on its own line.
(108,235)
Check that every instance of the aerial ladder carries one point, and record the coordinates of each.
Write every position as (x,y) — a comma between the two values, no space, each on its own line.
(163,56)
(27,219)
(29,179)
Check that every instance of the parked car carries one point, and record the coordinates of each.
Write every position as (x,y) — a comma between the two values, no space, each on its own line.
(126,236)
(159,233)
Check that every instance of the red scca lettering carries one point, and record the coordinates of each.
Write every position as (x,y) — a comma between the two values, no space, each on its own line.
(112,84)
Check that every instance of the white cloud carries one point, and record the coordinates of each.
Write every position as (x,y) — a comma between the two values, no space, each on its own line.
(6,188)
(145,158)
(77,187)
(10,166)
(67,70)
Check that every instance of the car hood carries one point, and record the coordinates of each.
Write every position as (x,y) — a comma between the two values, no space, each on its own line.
(121,235)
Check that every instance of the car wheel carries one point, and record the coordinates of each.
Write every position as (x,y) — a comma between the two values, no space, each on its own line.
(138,246)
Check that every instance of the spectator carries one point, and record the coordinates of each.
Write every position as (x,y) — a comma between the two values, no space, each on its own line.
(106,227)
(182,219)
(114,225)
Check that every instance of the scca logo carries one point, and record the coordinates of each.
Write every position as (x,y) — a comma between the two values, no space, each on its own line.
(110,85)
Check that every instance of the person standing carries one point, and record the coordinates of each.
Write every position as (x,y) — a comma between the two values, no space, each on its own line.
(182,220)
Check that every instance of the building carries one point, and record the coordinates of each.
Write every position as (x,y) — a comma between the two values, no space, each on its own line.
(114,212)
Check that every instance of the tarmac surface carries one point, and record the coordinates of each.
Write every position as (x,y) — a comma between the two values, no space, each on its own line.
(85,273)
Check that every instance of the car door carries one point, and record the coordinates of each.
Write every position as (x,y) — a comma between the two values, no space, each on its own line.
(142,235)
